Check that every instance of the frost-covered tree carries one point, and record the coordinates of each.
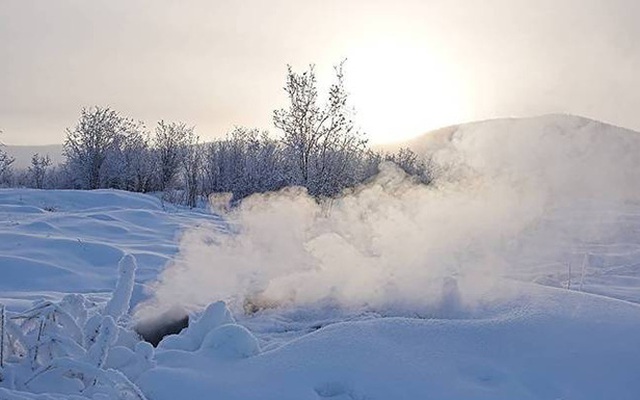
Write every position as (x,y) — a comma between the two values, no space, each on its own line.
(422,169)
(218,167)
(170,142)
(38,170)
(138,160)
(113,171)
(5,165)
(321,140)
(191,169)
(108,150)
(88,144)
(60,177)
(247,161)
(266,168)
(129,162)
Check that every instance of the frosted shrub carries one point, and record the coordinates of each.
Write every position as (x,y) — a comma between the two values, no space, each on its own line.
(69,349)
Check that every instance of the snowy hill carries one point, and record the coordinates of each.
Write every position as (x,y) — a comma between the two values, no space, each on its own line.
(517,276)
(555,136)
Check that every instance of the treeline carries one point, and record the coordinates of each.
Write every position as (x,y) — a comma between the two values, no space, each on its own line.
(319,148)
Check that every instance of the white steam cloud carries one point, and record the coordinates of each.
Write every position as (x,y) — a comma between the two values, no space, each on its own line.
(516,194)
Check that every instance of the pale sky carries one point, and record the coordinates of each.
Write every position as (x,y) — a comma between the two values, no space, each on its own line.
(412,66)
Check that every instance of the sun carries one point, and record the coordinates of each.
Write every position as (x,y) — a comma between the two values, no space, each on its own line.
(400,90)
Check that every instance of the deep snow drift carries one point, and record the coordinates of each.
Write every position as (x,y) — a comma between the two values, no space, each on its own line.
(394,291)
(65,241)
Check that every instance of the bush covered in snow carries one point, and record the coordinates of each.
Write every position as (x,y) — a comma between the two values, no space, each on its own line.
(78,349)
(69,347)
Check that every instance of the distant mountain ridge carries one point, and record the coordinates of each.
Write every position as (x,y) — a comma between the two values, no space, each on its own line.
(23,154)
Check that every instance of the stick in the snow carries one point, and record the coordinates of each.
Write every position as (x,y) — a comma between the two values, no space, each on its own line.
(2,316)
(585,260)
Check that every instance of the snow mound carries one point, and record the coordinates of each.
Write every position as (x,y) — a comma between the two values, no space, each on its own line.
(191,339)
(230,341)
(73,200)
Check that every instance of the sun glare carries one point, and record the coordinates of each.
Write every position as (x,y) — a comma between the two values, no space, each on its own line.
(401,91)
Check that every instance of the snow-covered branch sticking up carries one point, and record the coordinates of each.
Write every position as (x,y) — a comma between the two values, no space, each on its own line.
(97,353)
(2,324)
(119,303)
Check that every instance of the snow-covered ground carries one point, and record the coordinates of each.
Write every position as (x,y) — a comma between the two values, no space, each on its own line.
(63,241)
(517,277)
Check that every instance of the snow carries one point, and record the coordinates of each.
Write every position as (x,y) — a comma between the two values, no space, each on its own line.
(55,242)
(229,341)
(555,344)
(523,284)
(191,339)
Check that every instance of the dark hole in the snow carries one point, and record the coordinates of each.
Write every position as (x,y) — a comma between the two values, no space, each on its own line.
(154,330)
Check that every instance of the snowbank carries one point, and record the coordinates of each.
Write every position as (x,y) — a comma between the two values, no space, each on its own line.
(65,241)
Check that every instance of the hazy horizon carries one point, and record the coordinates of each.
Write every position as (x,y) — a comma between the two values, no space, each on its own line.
(413,66)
